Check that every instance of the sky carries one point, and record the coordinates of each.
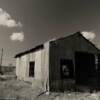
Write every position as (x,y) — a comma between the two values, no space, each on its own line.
(27,23)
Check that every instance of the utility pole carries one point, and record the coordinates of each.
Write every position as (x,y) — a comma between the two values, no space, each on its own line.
(1,61)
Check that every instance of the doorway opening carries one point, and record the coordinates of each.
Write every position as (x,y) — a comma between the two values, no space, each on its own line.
(84,67)
(31,68)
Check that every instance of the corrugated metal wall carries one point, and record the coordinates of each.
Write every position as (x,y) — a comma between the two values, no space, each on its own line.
(65,49)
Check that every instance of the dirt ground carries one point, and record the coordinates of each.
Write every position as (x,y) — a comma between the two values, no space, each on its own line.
(13,89)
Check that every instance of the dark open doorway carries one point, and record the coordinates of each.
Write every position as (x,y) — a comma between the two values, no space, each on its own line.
(84,67)
(31,69)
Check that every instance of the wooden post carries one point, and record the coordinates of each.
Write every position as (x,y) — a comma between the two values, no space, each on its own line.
(1,61)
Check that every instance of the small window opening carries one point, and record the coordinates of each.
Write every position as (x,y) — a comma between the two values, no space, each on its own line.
(66,68)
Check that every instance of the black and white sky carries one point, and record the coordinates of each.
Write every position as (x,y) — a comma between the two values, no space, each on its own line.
(27,23)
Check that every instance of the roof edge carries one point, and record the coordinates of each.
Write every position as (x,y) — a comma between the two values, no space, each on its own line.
(39,47)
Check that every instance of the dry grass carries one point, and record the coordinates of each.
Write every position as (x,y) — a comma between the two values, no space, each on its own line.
(17,89)
(20,90)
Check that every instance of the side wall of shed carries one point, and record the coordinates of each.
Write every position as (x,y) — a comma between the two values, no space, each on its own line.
(41,71)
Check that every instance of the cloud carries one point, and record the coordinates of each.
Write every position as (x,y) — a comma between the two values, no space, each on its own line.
(6,20)
(88,35)
(17,36)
